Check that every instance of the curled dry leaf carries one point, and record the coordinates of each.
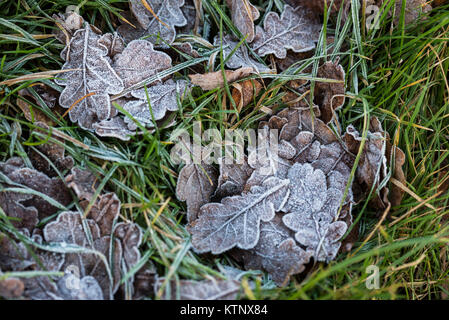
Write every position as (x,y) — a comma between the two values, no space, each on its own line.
(330,96)
(241,57)
(296,29)
(90,81)
(243,93)
(243,15)
(396,157)
(200,290)
(161,22)
(372,167)
(11,288)
(213,80)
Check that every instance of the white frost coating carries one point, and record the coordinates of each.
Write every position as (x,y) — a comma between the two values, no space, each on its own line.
(167,11)
(87,88)
(313,207)
(236,220)
(276,252)
(115,127)
(163,98)
(139,61)
(296,29)
(196,184)
(241,57)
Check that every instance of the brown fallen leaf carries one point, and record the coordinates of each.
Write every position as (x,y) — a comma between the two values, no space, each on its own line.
(213,80)
(55,152)
(243,15)
(11,288)
(244,92)
(318,5)
(330,96)
(373,165)
(396,157)
(48,95)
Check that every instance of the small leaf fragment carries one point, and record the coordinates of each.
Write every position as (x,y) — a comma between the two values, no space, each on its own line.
(213,80)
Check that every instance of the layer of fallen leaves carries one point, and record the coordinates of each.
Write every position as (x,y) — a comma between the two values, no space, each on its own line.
(88,245)
(289,202)
(276,211)
(111,83)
